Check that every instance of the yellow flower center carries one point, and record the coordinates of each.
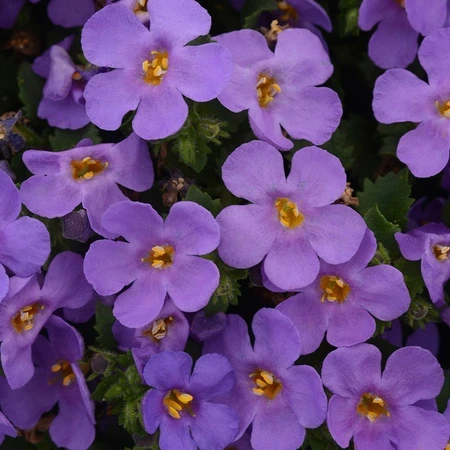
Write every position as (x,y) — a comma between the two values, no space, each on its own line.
(334,288)
(288,213)
(441,252)
(64,373)
(87,168)
(141,6)
(266,90)
(267,384)
(23,319)
(288,11)
(156,68)
(158,329)
(176,401)
(444,108)
(447,447)
(372,406)
(160,256)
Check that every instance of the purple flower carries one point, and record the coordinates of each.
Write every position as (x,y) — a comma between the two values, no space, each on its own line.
(344,298)
(168,331)
(62,103)
(76,226)
(278,398)
(206,326)
(87,174)
(378,410)
(182,404)
(424,211)
(159,258)
(24,311)
(139,7)
(400,96)
(24,242)
(58,379)
(241,444)
(6,428)
(291,222)
(154,69)
(430,244)
(278,88)
(67,13)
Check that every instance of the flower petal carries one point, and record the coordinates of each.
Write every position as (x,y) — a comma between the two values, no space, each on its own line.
(373,11)
(426,20)
(9,200)
(434,56)
(152,410)
(341,419)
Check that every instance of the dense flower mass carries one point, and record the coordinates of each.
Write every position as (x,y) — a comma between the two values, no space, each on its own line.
(182,267)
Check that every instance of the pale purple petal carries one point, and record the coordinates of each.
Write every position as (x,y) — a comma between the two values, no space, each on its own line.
(373,11)
(9,200)
(175,434)
(434,56)
(68,13)
(426,19)
(341,419)
(65,113)
(152,409)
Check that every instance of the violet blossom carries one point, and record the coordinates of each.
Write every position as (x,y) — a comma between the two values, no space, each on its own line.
(153,69)
(279,399)
(183,405)
(159,258)
(291,221)
(87,174)
(425,210)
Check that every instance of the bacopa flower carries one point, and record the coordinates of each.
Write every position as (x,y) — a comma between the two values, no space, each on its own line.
(67,13)
(399,96)
(87,174)
(279,399)
(378,410)
(58,380)
(291,222)
(62,103)
(159,258)
(344,298)
(24,242)
(426,210)
(278,88)
(431,245)
(183,406)
(26,309)
(153,69)
(168,331)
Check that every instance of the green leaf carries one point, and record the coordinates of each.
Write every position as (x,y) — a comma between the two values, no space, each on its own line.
(254,8)
(104,321)
(383,229)
(392,195)
(192,150)
(67,139)
(30,89)
(412,274)
(194,194)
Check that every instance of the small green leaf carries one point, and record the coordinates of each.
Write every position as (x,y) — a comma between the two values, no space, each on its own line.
(104,321)
(192,150)
(67,139)
(194,194)
(412,274)
(30,90)
(254,8)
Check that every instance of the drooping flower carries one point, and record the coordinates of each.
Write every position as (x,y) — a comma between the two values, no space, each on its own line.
(11,142)
(26,309)
(87,174)
(62,103)
(67,13)
(205,326)
(58,380)
(430,244)
(24,242)
(153,69)
(399,96)
(343,299)
(291,222)
(279,399)
(183,406)
(279,88)
(168,331)
(159,258)
(378,410)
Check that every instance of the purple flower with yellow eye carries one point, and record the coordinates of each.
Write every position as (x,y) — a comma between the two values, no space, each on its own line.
(58,379)
(26,309)
(399,96)
(343,299)
(153,69)
(159,258)
(380,410)
(431,245)
(183,405)
(291,221)
(279,399)
(24,242)
(279,88)
(87,174)
(168,331)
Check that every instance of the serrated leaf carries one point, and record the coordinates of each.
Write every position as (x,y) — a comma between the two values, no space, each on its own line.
(104,321)
(30,90)
(192,150)
(254,8)
(391,194)
(67,139)
(383,229)
(412,274)
(194,194)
